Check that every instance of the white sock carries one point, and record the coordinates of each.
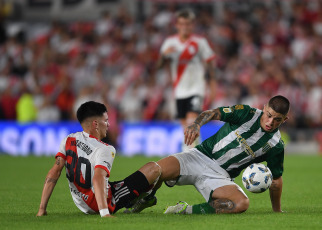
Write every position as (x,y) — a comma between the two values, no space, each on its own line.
(189,209)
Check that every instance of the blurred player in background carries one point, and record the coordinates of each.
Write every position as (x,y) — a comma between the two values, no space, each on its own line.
(189,56)
(249,136)
(88,162)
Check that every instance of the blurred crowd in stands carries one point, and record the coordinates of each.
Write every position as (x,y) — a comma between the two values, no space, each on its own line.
(48,69)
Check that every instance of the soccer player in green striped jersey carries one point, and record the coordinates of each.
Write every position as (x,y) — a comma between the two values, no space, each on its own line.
(248,136)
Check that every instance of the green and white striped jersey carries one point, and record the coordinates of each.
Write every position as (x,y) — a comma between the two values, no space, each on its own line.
(241,141)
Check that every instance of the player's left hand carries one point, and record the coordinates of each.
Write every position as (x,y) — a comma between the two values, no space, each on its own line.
(42,212)
(191,133)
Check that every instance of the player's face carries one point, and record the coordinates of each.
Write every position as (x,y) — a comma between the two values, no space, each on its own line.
(271,120)
(103,125)
(184,27)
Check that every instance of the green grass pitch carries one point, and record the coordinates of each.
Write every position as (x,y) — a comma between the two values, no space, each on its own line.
(22,180)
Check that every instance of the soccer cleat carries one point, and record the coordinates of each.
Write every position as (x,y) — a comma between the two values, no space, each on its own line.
(179,208)
(141,204)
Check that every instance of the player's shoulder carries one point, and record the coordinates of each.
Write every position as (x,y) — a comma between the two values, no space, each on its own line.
(105,149)
(101,144)
(72,135)
(279,140)
(277,143)
(242,108)
(171,38)
(198,36)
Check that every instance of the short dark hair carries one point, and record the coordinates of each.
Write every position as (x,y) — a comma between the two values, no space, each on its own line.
(186,13)
(90,109)
(279,104)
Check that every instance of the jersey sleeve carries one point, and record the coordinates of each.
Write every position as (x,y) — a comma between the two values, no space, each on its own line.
(105,158)
(206,51)
(62,149)
(275,162)
(165,45)
(234,114)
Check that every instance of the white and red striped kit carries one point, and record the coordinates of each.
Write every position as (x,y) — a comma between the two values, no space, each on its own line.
(83,153)
(187,64)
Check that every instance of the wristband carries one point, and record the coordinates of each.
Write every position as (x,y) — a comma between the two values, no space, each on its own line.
(104,212)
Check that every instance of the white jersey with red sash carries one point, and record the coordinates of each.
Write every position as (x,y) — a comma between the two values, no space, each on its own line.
(83,153)
(187,64)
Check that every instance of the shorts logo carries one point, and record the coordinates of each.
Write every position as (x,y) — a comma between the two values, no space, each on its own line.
(196,103)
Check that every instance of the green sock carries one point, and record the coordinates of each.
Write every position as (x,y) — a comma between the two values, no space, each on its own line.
(203,208)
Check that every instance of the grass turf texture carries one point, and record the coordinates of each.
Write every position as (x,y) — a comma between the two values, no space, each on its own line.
(22,180)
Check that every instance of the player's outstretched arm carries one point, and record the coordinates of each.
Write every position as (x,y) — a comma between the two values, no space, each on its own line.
(50,183)
(99,184)
(275,192)
(193,130)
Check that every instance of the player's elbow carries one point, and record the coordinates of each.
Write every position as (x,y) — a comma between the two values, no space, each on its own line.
(54,173)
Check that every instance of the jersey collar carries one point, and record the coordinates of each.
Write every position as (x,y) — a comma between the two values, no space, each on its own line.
(89,135)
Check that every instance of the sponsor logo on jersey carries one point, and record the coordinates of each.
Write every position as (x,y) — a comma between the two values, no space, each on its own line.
(227,110)
(113,154)
(243,143)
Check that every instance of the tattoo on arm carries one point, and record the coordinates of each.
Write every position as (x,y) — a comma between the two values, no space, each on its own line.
(58,161)
(50,180)
(223,205)
(208,115)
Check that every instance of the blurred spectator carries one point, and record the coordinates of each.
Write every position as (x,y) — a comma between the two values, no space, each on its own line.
(262,47)
(26,110)
(48,111)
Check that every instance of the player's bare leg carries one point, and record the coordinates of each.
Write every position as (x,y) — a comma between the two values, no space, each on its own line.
(229,199)
(156,172)
(226,199)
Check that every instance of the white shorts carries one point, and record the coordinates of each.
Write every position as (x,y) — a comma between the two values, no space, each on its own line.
(204,173)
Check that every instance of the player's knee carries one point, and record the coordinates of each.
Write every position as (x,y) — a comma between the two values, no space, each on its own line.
(242,205)
(152,171)
(155,168)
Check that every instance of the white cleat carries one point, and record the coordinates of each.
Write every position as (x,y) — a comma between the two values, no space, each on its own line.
(179,208)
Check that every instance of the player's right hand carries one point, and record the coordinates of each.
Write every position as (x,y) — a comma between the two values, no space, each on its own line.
(191,133)
(42,212)
(170,50)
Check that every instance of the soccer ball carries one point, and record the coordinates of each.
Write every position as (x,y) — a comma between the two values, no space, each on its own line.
(257,178)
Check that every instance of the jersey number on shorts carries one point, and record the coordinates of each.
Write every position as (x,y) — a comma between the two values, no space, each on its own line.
(74,170)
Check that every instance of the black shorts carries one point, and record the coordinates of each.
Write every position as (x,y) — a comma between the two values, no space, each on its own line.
(190,104)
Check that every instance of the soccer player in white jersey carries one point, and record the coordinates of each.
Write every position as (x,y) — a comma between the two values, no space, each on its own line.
(249,136)
(88,163)
(188,55)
